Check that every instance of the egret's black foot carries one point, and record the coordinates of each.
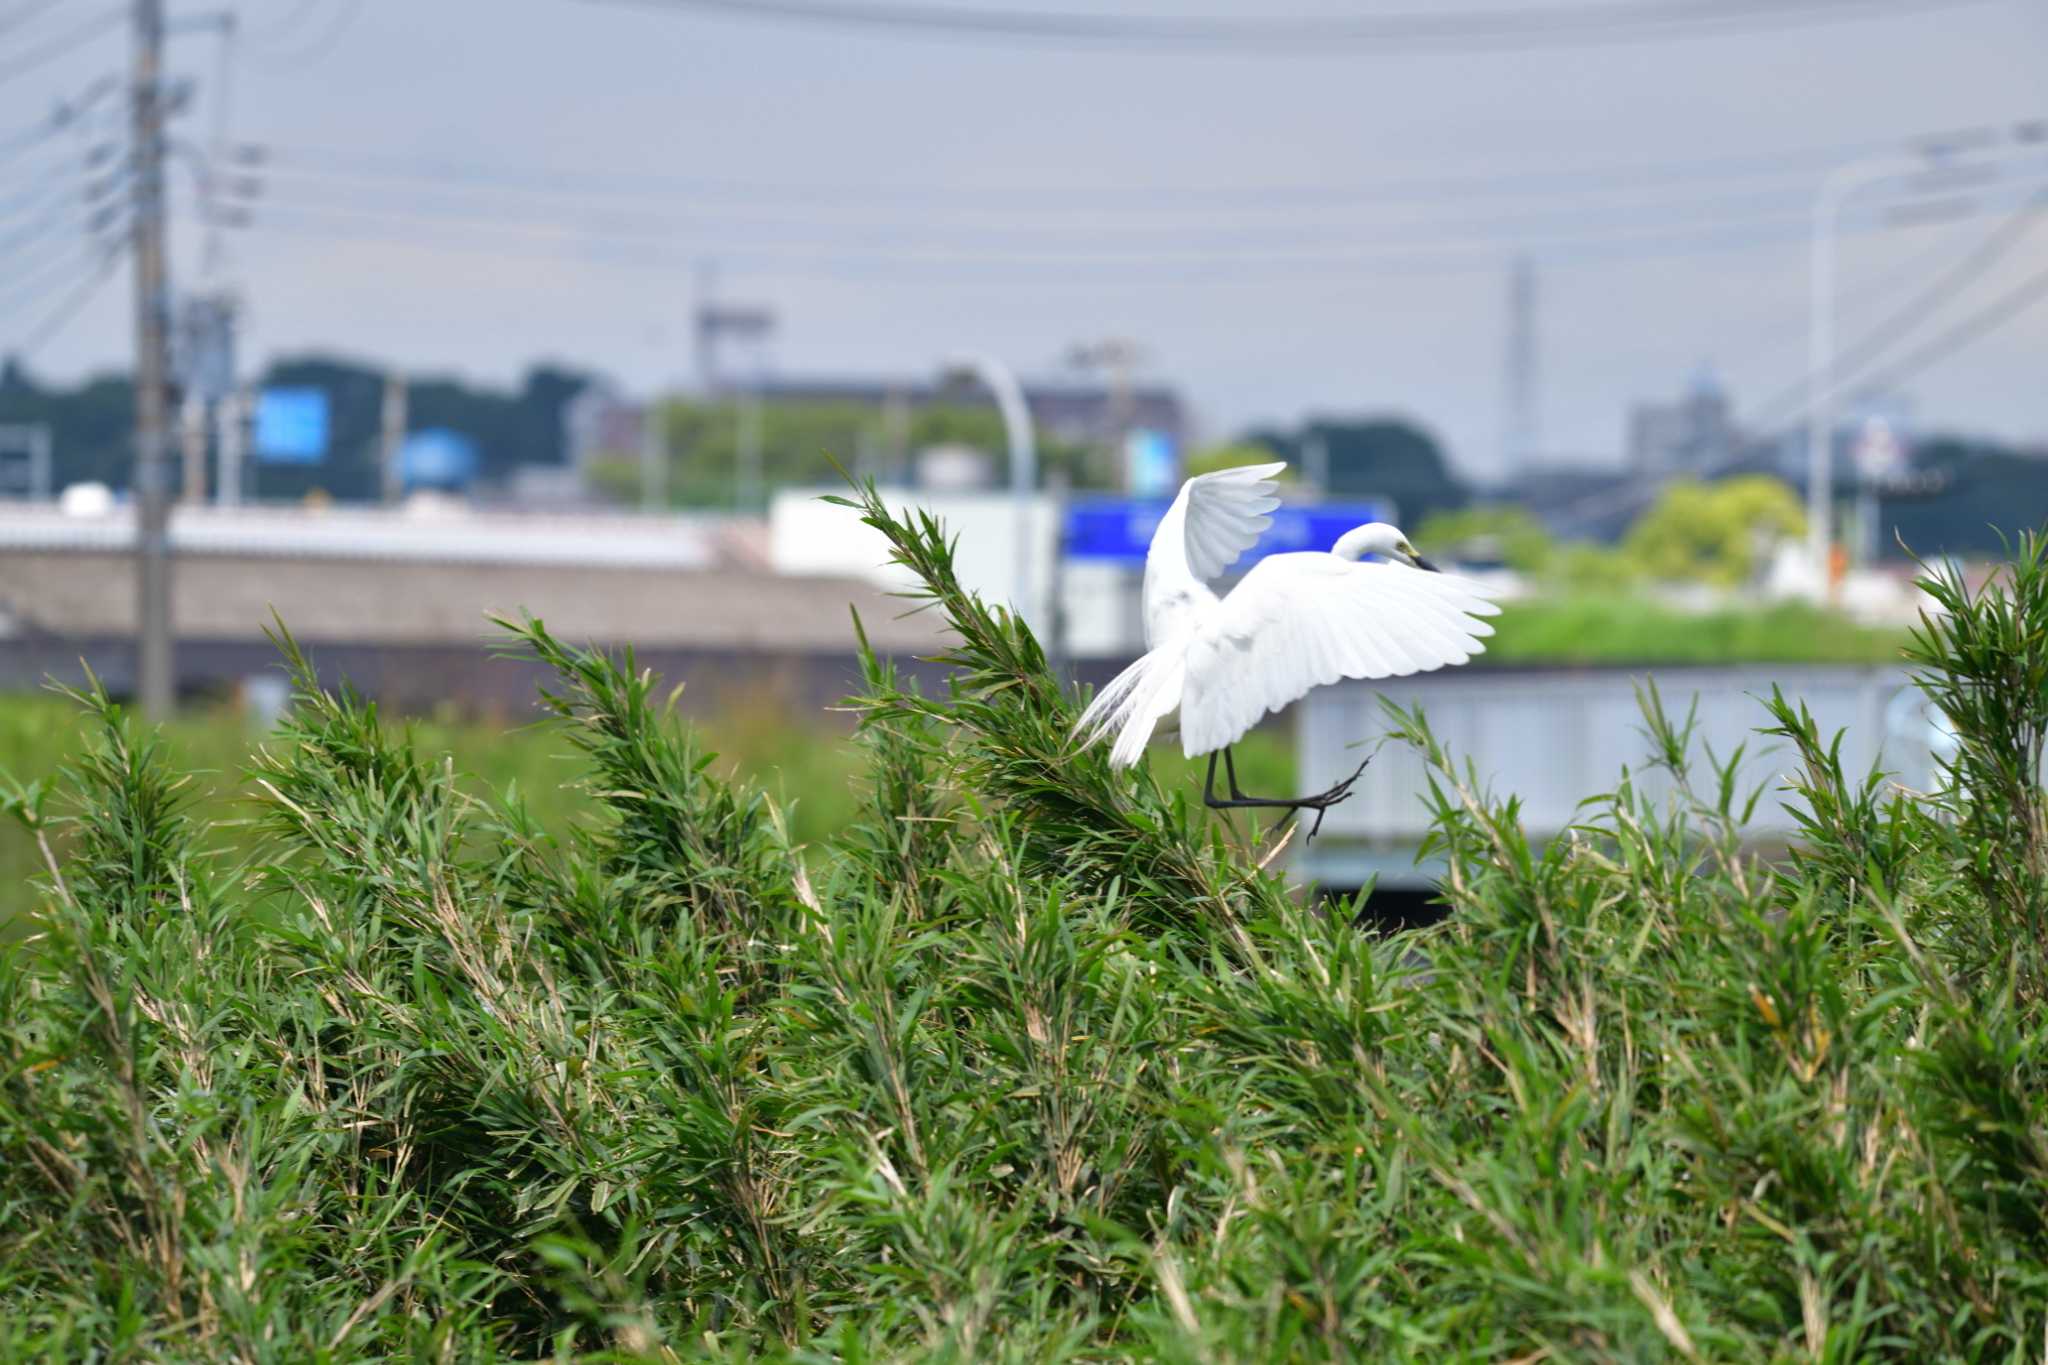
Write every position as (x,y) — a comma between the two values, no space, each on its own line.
(1342,789)
(1320,803)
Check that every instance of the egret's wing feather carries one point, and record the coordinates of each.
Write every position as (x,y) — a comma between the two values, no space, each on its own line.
(1131,705)
(1226,515)
(1299,621)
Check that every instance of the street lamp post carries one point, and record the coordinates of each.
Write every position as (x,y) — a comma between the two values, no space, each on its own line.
(1009,395)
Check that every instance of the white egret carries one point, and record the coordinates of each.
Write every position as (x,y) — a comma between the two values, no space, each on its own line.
(1294,622)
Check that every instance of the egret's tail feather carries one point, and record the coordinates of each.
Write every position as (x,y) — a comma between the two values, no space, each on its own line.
(1095,719)
(1132,704)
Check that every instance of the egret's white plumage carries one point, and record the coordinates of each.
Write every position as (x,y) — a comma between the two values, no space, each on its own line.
(1294,622)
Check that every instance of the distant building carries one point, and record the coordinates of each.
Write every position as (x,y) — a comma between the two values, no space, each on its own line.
(1695,435)
(1071,414)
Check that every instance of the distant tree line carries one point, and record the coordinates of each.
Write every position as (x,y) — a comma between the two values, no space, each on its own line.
(1988,492)
(93,423)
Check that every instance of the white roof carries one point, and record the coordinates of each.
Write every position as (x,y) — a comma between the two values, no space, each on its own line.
(419,532)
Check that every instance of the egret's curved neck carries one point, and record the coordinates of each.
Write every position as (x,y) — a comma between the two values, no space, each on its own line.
(1357,543)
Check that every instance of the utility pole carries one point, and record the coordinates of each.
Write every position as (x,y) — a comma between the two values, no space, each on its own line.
(393,447)
(746,323)
(1316,462)
(1519,449)
(1118,359)
(234,435)
(653,457)
(155,675)
(192,440)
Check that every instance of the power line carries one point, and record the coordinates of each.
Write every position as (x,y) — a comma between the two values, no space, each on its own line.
(323,42)
(428,191)
(51,220)
(1186,243)
(1968,331)
(48,282)
(68,308)
(492,207)
(66,115)
(105,22)
(1311,34)
(22,13)
(288,25)
(1007,206)
(1877,339)
(1801,163)
(1944,345)
(658,253)
(754,240)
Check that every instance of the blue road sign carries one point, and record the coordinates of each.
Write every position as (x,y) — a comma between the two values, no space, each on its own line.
(437,458)
(291,426)
(1120,531)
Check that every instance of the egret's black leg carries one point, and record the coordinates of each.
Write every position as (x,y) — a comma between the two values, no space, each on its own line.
(1237,800)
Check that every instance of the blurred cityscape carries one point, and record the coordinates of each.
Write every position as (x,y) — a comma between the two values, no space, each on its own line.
(381,506)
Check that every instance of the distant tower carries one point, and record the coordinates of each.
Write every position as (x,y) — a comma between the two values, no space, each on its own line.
(1519,430)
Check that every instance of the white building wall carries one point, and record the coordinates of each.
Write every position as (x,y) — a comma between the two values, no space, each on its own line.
(807,535)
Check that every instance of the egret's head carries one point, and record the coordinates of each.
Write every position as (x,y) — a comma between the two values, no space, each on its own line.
(1378,538)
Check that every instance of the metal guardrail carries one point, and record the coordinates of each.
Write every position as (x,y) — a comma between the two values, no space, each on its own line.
(1554,737)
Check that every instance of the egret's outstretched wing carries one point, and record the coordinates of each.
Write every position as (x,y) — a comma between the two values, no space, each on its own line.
(1225,514)
(1216,518)
(1298,621)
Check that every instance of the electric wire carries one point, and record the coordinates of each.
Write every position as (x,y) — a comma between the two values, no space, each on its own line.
(1995,246)
(62,45)
(1415,30)
(322,43)
(1801,164)
(22,13)
(68,308)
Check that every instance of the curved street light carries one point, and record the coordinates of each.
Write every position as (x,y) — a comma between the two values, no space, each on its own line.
(998,379)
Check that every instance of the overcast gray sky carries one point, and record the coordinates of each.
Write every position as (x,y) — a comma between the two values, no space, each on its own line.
(470,185)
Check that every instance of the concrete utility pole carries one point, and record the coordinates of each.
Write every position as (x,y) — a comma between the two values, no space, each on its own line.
(653,457)
(234,435)
(1118,358)
(192,440)
(1519,449)
(393,446)
(155,665)
(1315,457)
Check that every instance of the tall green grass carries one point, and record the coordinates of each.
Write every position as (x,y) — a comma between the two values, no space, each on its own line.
(1029,1061)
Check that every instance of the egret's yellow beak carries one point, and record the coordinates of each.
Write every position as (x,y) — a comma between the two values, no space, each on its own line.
(1417,560)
